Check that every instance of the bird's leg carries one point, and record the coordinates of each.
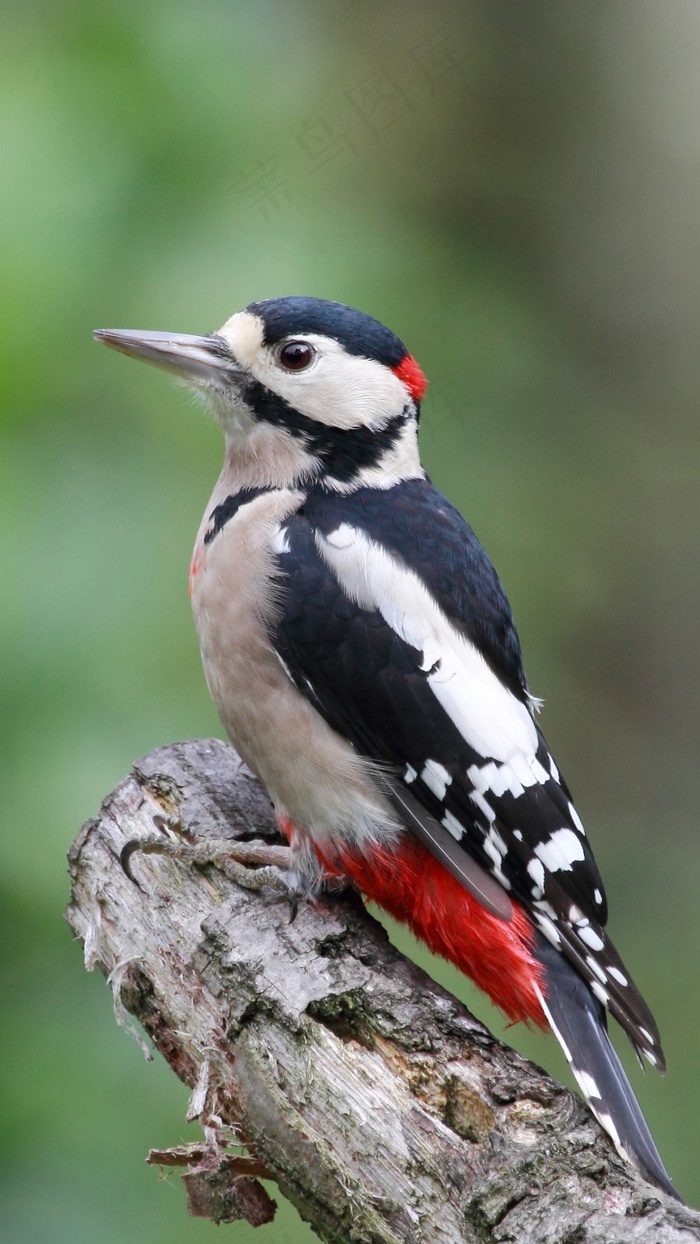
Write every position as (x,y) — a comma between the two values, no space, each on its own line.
(253,865)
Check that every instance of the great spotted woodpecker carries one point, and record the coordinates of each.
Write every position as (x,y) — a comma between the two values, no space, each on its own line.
(361,652)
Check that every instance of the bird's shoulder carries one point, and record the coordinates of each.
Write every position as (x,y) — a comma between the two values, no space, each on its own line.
(434,546)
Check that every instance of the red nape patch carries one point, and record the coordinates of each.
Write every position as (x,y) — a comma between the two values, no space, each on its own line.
(418,891)
(410,374)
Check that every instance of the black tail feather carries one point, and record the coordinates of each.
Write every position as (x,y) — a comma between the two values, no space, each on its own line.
(578,1021)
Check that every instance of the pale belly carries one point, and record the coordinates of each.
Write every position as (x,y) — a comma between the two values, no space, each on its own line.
(311,773)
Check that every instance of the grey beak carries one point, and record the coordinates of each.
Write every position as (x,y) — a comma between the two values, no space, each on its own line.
(198,359)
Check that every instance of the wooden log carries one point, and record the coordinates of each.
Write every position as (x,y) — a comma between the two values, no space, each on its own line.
(383,1110)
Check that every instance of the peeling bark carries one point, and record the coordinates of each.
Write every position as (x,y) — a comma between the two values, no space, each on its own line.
(383,1110)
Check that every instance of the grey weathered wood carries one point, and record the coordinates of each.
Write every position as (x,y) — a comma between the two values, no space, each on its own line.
(382,1108)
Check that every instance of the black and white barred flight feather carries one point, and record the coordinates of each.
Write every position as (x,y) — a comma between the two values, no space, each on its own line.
(357,638)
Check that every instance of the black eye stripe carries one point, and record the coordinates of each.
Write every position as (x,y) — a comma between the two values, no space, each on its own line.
(295,355)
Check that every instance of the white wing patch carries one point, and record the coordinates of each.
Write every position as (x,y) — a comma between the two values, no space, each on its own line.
(513,776)
(436,778)
(536,873)
(486,713)
(576,819)
(496,849)
(592,940)
(453,826)
(561,851)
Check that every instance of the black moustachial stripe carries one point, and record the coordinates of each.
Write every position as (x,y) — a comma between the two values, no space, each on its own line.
(222,514)
(343,452)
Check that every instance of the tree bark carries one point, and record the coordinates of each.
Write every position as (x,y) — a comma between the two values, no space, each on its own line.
(383,1110)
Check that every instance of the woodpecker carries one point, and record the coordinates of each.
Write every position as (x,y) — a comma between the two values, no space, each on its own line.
(363,657)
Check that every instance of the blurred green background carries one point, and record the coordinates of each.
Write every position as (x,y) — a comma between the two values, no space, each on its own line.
(515,190)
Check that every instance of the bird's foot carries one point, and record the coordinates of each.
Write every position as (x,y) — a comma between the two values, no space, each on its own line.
(254,865)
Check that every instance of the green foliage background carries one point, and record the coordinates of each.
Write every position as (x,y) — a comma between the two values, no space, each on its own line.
(515,189)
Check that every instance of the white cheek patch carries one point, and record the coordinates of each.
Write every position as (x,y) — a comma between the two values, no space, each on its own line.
(488,716)
(338,389)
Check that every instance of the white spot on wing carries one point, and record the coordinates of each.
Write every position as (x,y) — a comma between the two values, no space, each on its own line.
(561,851)
(601,994)
(410,775)
(546,908)
(618,976)
(576,820)
(495,841)
(494,779)
(453,826)
(536,872)
(484,805)
(540,775)
(496,849)
(595,968)
(549,930)
(436,778)
(590,937)
(514,775)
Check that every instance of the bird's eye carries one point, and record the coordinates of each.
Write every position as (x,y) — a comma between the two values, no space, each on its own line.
(296,355)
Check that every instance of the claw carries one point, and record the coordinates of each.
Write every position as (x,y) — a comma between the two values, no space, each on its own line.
(129,849)
(164,822)
(230,857)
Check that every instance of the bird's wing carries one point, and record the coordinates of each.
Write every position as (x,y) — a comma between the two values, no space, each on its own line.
(400,634)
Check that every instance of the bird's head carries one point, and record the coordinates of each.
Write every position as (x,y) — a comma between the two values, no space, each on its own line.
(319,386)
